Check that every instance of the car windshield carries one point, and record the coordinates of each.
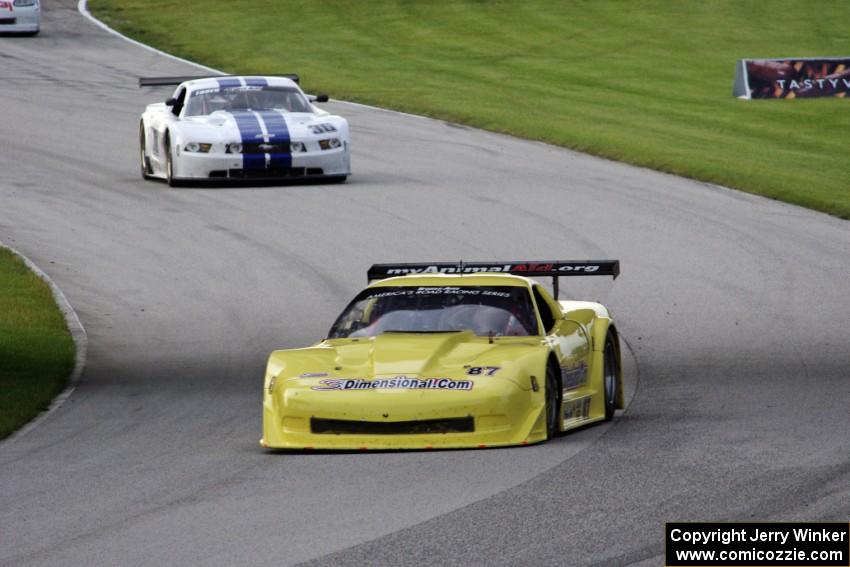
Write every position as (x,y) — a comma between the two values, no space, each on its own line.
(206,101)
(485,310)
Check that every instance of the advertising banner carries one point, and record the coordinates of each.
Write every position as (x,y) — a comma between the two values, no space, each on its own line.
(792,78)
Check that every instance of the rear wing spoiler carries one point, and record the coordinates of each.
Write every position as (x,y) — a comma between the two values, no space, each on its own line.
(171,81)
(551,268)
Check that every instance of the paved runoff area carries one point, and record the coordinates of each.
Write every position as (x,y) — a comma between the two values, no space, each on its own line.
(735,307)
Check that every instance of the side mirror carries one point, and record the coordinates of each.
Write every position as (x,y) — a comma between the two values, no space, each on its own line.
(322,98)
(171,101)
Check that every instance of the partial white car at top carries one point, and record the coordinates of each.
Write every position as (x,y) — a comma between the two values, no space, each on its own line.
(20,16)
(241,128)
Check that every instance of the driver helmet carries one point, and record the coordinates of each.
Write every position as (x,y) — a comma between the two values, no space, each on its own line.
(217,102)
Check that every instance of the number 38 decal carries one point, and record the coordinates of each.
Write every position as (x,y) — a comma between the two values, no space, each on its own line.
(322,128)
(482,370)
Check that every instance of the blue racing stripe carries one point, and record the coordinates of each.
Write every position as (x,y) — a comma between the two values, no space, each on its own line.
(228,83)
(278,134)
(249,129)
(256,82)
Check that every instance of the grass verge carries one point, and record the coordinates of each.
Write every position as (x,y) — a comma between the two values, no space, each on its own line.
(36,349)
(645,81)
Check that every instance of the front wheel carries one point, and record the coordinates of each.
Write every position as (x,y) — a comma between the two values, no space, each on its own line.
(609,375)
(553,402)
(144,162)
(169,164)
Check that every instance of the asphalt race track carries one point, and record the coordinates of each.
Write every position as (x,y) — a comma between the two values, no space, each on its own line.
(736,309)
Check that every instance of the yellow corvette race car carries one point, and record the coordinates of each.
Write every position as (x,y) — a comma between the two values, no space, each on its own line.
(446,356)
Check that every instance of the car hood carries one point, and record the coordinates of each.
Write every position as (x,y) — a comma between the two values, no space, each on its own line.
(410,354)
(223,125)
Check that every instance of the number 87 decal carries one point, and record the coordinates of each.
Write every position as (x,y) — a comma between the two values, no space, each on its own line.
(482,370)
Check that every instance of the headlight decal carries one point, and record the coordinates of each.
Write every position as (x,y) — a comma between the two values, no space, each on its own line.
(197,147)
(330,143)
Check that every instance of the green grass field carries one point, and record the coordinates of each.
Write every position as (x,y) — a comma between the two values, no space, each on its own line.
(646,82)
(36,349)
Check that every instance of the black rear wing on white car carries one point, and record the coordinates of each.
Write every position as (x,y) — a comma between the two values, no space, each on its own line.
(170,81)
(550,268)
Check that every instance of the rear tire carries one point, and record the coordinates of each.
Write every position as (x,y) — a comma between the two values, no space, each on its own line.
(610,372)
(553,401)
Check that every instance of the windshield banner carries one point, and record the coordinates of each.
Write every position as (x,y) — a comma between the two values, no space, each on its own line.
(792,78)
(516,267)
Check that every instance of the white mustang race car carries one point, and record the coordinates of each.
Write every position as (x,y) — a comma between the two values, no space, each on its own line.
(20,16)
(241,128)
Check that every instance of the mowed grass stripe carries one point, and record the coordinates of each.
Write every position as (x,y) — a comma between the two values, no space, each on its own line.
(646,82)
(36,349)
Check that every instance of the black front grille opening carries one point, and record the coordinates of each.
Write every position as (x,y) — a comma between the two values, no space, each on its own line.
(418,427)
(269,173)
(266,173)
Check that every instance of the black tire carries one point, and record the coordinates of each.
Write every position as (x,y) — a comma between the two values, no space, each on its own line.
(337,179)
(610,371)
(144,162)
(169,164)
(553,401)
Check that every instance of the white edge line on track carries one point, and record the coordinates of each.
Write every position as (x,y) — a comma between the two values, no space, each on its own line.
(82,7)
(78,335)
